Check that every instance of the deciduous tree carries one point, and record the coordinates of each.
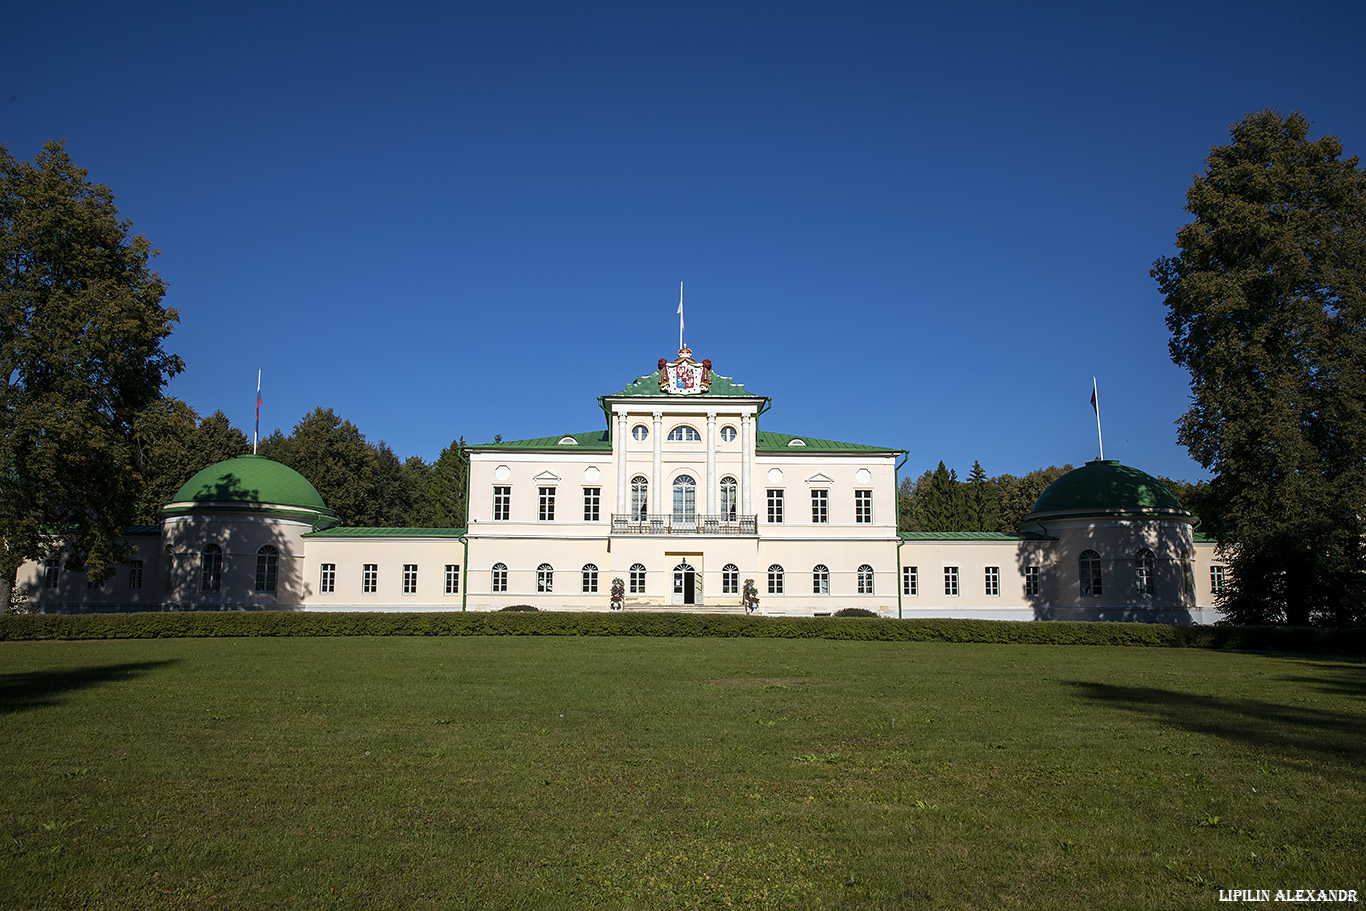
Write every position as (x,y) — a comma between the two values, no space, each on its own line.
(81,357)
(1266,303)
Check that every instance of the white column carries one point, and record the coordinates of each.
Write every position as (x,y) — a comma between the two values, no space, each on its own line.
(746,463)
(619,453)
(711,463)
(657,481)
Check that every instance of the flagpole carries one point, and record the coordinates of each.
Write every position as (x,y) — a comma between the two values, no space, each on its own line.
(680,316)
(1095,403)
(256,432)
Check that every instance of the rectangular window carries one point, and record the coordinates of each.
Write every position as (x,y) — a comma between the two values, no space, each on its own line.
(820,507)
(546,512)
(410,578)
(1031,581)
(327,578)
(993,581)
(369,578)
(730,580)
(502,504)
(452,578)
(951,581)
(910,580)
(50,569)
(1217,580)
(863,507)
(592,503)
(775,506)
(135,575)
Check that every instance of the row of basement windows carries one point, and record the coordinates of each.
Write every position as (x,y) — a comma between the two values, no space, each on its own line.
(1088,568)
(684,502)
(730,579)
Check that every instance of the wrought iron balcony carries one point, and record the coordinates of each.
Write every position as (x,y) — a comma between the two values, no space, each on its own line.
(669,524)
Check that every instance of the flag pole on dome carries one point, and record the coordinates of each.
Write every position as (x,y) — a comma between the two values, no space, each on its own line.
(256,434)
(1095,406)
(680,316)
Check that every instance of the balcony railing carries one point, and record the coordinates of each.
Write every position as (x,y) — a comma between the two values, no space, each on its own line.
(669,524)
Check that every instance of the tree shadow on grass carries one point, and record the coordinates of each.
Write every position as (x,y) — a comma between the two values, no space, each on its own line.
(1336,741)
(35,689)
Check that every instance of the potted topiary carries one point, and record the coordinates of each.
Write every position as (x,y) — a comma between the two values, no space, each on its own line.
(618,594)
(750,597)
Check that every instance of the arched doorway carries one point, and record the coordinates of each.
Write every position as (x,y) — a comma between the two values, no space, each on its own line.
(687,585)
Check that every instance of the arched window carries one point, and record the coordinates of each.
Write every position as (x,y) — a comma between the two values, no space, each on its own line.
(640,497)
(684,434)
(637,578)
(590,578)
(545,578)
(500,577)
(267,568)
(685,497)
(1089,566)
(728,499)
(865,579)
(820,579)
(1145,567)
(211,564)
(730,579)
(775,579)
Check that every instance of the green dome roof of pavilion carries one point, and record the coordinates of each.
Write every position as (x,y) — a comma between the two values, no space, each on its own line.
(1106,487)
(251,480)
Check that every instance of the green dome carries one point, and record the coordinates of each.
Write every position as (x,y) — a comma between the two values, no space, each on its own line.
(1106,488)
(251,480)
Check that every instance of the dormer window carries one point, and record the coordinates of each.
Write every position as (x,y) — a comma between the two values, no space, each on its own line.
(684,434)
(568,441)
(796,441)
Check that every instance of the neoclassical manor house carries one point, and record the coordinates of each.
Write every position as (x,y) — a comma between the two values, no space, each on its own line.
(683,497)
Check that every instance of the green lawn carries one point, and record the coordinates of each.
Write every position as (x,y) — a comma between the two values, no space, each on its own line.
(524,772)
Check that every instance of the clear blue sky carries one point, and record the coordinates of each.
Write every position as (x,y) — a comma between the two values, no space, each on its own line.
(911,225)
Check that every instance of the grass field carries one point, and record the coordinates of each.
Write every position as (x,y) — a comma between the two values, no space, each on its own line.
(655,773)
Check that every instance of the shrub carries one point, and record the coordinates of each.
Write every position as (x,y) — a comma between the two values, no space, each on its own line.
(855,612)
(520,607)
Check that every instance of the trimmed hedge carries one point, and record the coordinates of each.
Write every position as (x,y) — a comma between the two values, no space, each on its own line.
(548,623)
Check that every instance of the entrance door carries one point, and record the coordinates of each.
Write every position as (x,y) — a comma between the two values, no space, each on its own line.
(685,589)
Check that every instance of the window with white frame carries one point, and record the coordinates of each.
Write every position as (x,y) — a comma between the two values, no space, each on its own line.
(51,567)
(637,578)
(502,504)
(369,578)
(863,507)
(730,579)
(1088,566)
(640,433)
(135,575)
(592,503)
(1145,567)
(775,579)
(500,577)
(545,578)
(865,579)
(267,568)
(910,580)
(820,507)
(546,510)
(452,578)
(728,499)
(775,506)
(1031,582)
(685,497)
(993,581)
(211,568)
(1218,579)
(684,434)
(820,579)
(327,578)
(728,433)
(951,581)
(640,497)
(590,579)
(410,578)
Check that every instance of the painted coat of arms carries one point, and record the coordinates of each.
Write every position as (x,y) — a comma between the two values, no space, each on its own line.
(684,376)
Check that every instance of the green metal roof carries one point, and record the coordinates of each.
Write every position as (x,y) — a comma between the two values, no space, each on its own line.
(718,386)
(973,536)
(251,480)
(144,530)
(358,531)
(767,441)
(1106,488)
(594,439)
